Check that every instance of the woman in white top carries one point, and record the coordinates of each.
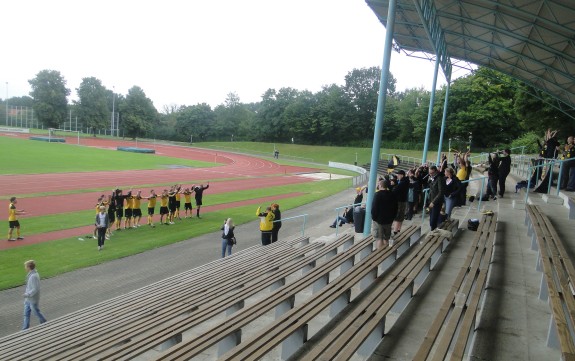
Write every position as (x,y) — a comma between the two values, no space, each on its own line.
(228,238)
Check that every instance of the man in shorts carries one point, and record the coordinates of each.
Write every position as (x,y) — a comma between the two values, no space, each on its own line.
(164,198)
(383,212)
(188,202)
(136,209)
(13,220)
(151,207)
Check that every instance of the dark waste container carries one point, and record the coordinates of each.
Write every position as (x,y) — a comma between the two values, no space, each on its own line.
(358,218)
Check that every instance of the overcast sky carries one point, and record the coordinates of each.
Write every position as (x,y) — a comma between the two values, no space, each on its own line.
(189,52)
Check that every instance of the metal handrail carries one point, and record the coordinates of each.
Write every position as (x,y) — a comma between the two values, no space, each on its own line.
(305,215)
(551,162)
(337,214)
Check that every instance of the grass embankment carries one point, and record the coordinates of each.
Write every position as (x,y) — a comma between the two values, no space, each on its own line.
(310,153)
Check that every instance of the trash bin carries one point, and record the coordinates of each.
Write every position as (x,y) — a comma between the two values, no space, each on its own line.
(358,219)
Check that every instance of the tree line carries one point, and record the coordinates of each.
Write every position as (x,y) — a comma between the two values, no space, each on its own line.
(486,108)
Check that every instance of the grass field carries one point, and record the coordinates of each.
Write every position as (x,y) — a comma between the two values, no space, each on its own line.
(41,157)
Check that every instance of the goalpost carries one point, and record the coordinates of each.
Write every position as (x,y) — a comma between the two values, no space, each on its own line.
(53,132)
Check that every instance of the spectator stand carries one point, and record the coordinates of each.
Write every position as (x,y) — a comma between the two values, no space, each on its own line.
(452,332)
(360,322)
(557,280)
(216,286)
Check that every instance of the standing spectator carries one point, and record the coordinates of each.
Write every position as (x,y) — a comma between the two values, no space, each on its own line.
(199,190)
(102,223)
(228,237)
(266,224)
(504,170)
(400,190)
(412,194)
(568,165)
(452,189)
(462,176)
(492,175)
(436,192)
(383,212)
(32,294)
(356,202)
(277,221)
(13,220)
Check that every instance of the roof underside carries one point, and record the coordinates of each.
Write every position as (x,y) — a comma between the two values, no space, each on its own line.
(530,40)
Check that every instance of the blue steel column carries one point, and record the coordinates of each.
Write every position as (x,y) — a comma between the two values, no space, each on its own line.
(430,112)
(445,103)
(381,100)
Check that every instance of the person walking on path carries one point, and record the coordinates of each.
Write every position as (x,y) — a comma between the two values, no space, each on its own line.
(13,220)
(383,212)
(199,193)
(32,295)
(436,193)
(277,221)
(102,223)
(228,237)
(266,224)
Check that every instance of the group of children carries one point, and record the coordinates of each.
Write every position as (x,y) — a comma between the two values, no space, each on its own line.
(128,206)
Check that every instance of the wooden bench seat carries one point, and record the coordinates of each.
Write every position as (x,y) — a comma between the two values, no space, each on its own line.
(231,327)
(73,331)
(393,288)
(557,281)
(455,321)
(141,342)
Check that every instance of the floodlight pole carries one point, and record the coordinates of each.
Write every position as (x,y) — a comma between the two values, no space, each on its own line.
(381,100)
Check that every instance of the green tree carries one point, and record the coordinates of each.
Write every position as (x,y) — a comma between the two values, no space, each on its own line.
(481,104)
(229,117)
(92,104)
(137,114)
(362,88)
(49,92)
(333,114)
(539,111)
(195,121)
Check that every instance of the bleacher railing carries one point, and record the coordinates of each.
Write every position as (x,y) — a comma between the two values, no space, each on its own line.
(304,216)
(402,158)
(551,164)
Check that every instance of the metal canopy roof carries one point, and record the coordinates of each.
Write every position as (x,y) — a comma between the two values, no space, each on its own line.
(530,40)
